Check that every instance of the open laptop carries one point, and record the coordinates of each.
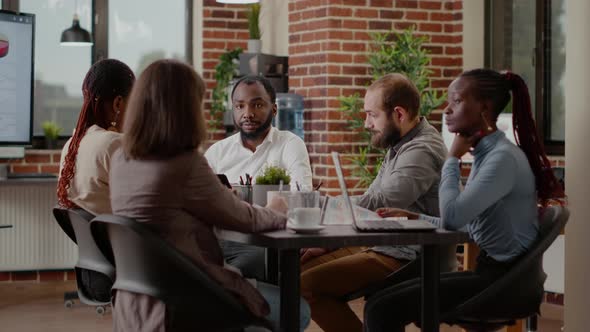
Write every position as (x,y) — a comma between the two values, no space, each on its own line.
(376,225)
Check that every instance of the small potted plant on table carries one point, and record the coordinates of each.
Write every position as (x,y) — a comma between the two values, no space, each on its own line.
(269,180)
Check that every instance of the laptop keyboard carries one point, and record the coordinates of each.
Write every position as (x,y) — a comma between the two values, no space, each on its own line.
(378,224)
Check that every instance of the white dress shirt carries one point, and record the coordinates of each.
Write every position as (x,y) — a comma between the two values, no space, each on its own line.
(279,148)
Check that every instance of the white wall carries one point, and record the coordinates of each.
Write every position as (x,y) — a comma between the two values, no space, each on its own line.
(274,27)
(577,159)
(473,34)
(198,36)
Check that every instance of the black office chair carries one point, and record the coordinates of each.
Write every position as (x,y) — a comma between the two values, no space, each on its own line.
(498,311)
(516,295)
(94,273)
(147,264)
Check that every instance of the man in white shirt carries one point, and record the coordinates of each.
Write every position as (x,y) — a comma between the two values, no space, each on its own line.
(257,144)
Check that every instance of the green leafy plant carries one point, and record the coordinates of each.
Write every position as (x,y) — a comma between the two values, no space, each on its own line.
(391,52)
(404,53)
(273,175)
(51,130)
(253,20)
(225,71)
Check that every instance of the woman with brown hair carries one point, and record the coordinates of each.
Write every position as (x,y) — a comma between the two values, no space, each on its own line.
(84,173)
(160,178)
(499,205)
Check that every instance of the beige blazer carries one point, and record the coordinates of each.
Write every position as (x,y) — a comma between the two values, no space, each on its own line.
(182,200)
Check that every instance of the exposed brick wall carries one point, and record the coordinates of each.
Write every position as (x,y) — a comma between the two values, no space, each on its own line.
(328,43)
(225,27)
(35,161)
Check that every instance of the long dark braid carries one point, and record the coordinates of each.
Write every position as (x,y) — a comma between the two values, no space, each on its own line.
(496,87)
(105,80)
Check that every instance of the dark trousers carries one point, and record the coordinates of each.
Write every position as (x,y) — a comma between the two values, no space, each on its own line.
(251,260)
(392,309)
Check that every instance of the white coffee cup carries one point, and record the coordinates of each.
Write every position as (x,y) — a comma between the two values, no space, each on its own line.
(306,216)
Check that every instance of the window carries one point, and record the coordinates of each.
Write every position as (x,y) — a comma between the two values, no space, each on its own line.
(136,32)
(140,33)
(59,70)
(528,37)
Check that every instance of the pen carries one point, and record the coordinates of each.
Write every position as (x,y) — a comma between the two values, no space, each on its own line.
(241,181)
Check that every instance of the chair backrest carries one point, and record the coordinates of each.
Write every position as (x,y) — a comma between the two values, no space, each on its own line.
(525,277)
(61,216)
(147,264)
(94,273)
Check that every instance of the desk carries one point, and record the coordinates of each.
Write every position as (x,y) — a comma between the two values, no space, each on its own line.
(338,236)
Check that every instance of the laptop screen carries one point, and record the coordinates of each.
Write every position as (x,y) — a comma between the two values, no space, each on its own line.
(340,174)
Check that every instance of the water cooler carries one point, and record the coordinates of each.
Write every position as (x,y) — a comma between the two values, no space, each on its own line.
(290,113)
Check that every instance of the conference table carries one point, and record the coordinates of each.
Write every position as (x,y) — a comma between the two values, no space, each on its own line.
(288,243)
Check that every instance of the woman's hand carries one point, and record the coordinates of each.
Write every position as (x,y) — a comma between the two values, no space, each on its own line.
(462,144)
(394,212)
(308,254)
(278,204)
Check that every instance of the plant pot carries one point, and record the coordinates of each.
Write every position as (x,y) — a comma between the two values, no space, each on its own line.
(50,143)
(254,45)
(259,192)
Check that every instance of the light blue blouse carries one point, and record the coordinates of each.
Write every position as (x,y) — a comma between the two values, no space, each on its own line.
(498,205)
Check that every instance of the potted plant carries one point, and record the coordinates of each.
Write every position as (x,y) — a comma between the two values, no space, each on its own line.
(225,71)
(269,180)
(51,131)
(254,43)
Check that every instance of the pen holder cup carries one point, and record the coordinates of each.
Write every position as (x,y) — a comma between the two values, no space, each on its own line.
(243,192)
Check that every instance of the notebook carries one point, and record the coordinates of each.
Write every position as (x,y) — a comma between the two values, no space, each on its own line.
(376,225)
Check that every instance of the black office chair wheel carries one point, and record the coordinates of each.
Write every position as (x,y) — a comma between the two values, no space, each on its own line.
(101,310)
(69,304)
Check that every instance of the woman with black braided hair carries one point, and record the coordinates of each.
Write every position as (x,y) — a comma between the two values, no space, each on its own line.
(499,205)
(84,166)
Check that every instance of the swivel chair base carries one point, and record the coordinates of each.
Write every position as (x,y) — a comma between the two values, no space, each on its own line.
(69,298)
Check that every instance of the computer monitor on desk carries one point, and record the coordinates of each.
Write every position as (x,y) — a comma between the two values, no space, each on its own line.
(17,35)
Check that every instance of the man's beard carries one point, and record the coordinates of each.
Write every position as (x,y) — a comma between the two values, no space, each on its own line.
(260,131)
(389,137)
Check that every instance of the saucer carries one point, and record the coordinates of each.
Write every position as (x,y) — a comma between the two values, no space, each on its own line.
(305,229)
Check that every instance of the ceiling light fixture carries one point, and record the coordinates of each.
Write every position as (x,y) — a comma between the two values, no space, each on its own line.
(75,35)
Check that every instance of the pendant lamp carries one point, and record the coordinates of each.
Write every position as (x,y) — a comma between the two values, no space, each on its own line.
(75,35)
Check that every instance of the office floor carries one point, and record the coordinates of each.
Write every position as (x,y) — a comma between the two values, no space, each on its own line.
(39,307)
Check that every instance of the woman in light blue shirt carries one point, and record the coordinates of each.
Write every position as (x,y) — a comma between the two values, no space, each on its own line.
(498,206)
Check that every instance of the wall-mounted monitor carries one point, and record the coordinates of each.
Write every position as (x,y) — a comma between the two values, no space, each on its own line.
(17,40)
